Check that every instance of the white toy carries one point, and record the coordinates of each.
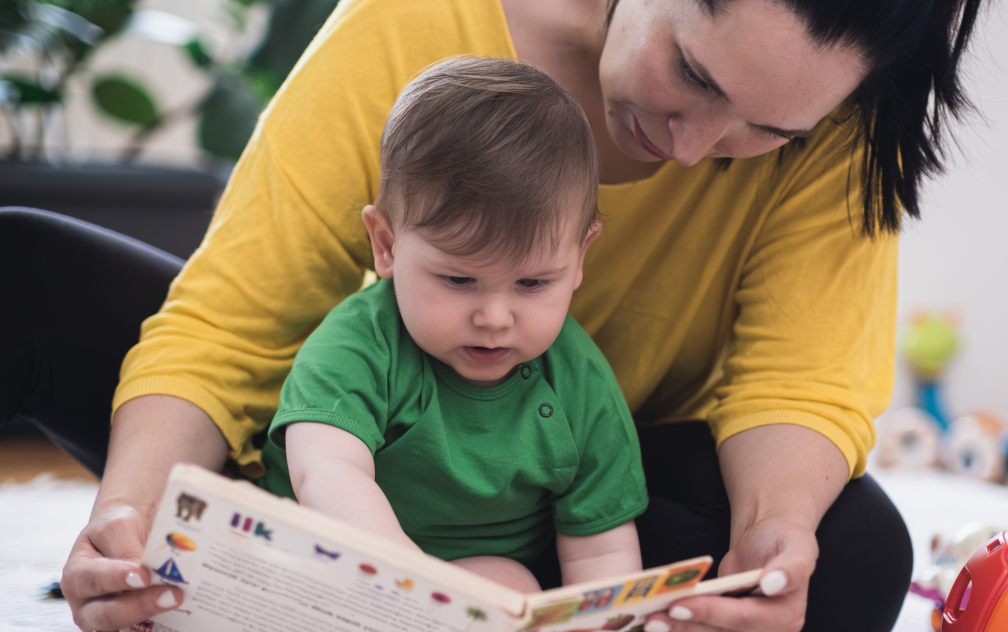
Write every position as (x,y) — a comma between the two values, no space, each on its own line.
(907,438)
(975,446)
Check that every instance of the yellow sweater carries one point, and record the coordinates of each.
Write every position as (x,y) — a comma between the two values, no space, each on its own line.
(741,295)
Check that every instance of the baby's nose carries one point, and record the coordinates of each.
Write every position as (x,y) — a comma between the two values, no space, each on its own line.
(494,314)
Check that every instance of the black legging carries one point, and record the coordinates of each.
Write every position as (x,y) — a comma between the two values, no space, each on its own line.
(73,297)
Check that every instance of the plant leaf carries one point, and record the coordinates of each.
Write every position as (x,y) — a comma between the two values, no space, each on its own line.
(109,15)
(31,93)
(66,21)
(292,25)
(124,100)
(197,53)
(228,116)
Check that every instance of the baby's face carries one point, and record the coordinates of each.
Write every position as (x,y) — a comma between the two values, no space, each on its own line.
(481,317)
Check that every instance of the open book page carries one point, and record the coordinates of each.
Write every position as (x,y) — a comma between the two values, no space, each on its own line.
(250,561)
(623,604)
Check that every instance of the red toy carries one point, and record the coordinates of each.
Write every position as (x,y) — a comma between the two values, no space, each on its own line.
(978,601)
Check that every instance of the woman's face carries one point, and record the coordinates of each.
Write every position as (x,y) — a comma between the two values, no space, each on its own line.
(681,85)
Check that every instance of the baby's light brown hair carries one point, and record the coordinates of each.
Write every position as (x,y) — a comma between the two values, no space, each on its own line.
(488,156)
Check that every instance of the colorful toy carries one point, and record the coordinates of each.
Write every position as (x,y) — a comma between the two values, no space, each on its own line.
(929,344)
(978,601)
(926,435)
(948,557)
(908,438)
(975,446)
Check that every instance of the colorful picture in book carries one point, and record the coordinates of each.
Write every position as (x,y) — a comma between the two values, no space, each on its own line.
(475,615)
(189,507)
(324,554)
(618,622)
(598,600)
(179,542)
(682,577)
(552,615)
(437,603)
(170,571)
(638,590)
(244,524)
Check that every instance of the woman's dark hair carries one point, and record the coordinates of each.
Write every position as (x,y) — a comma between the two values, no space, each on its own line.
(902,107)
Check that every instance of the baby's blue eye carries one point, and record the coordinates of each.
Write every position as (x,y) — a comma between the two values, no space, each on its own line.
(454,280)
(531,284)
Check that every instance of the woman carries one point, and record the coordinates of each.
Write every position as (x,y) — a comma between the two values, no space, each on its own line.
(756,294)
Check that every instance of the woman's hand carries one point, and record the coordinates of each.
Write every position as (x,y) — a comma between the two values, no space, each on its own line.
(787,552)
(103,580)
(780,481)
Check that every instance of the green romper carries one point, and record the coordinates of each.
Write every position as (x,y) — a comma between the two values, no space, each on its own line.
(468,470)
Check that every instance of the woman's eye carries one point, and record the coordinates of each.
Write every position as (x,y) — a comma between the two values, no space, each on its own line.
(770,134)
(454,280)
(531,284)
(690,78)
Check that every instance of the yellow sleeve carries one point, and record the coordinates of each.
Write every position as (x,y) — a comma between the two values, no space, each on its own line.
(814,337)
(287,243)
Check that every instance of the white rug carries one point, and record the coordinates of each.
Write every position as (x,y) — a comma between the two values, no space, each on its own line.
(937,502)
(40,520)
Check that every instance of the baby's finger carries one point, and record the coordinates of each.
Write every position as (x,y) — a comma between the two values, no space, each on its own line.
(87,578)
(108,614)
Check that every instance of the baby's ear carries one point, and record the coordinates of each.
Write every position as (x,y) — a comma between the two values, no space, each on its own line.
(382,239)
(593,233)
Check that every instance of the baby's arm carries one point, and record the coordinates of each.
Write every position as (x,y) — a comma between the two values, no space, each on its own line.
(332,471)
(607,554)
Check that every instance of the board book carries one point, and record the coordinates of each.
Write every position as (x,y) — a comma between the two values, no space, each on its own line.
(249,561)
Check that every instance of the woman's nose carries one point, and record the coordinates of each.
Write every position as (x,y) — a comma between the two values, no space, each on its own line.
(693,139)
(493,313)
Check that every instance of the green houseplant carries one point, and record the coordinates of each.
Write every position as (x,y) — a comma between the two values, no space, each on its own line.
(59,36)
(168,207)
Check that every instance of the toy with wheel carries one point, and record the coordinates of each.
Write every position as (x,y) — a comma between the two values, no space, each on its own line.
(978,601)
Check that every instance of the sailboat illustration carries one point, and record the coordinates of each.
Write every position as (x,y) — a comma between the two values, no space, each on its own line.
(170,571)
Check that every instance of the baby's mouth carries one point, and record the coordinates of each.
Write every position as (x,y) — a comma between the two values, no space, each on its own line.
(485,355)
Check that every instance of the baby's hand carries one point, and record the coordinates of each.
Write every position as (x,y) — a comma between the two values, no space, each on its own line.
(501,570)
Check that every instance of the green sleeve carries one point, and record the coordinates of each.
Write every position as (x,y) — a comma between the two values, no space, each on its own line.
(608,488)
(341,376)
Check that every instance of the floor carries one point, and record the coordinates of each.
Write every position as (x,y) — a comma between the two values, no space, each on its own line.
(21,460)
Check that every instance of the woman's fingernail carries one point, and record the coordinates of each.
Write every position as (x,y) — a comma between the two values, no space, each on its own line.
(773,582)
(166,600)
(133,580)
(656,626)
(680,613)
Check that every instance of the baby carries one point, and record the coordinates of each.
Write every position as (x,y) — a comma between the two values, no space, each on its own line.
(454,405)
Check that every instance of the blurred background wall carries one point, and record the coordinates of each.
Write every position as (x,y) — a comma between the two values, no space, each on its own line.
(957,256)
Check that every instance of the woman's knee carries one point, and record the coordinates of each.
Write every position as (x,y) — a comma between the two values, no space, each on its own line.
(865,560)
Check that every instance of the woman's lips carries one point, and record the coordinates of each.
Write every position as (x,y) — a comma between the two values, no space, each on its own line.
(484,355)
(646,142)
